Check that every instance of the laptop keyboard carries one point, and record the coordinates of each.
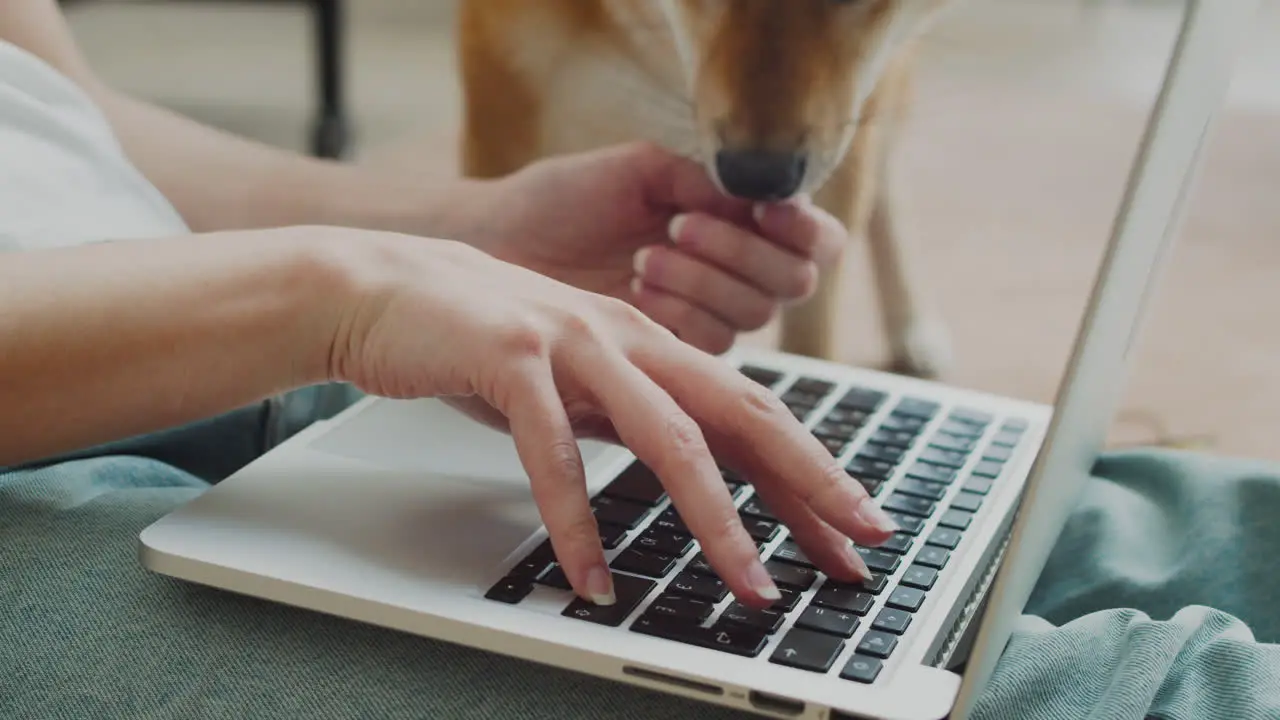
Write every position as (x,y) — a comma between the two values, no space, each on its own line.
(821,625)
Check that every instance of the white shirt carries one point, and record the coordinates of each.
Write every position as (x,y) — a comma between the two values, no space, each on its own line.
(64,178)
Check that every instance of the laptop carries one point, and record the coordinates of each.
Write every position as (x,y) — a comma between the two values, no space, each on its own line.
(407,515)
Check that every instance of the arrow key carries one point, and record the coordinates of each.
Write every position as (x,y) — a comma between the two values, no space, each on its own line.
(738,640)
(629,590)
(807,650)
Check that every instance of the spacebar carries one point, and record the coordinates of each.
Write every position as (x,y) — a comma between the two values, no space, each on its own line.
(736,640)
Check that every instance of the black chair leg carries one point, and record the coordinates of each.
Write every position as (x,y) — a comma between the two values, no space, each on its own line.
(331,134)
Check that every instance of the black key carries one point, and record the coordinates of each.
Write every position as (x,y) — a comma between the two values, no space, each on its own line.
(792,576)
(846,598)
(1015,424)
(893,438)
(630,591)
(808,650)
(917,408)
(876,584)
(898,421)
(892,621)
(790,599)
(531,568)
(861,668)
(801,412)
(862,399)
(637,484)
(969,416)
(988,469)
(611,536)
(873,487)
(731,639)
(906,523)
(618,512)
(908,505)
(1006,438)
(878,560)
(654,565)
(931,473)
(705,587)
(933,557)
(869,468)
(828,620)
(556,579)
(799,399)
(658,540)
(669,521)
(918,576)
(877,644)
(978,485)
(906,598)
(967,501)
(945,537)
(961,429)
(760,530)
(922,488)
(897,543)
(755,508)
(835,446)
(699,566)
(847,416)
(682,607)
(767,620)
(945,458)
(956,519)
(955,443)
(510,590)
(813,386)
(789,552)
(883,453)
(828,430)
(997,453)
(765,377)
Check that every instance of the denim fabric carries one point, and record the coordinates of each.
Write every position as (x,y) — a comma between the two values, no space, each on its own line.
(1159,600)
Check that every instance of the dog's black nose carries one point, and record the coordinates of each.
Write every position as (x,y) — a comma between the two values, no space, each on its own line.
(761,174)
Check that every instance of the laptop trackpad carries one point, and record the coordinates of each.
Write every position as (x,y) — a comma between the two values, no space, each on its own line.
(446,499)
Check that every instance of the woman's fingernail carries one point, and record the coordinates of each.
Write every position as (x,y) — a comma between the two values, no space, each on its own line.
(640,260)
(871,514)
(859,565)
(675,226)
(637,285)
(759,580)
(758,212)
(600,586)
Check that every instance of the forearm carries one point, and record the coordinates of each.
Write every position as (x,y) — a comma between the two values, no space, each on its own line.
(219,181)
(116,339)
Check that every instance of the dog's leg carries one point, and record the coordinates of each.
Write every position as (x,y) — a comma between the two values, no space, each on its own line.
(919,343)
(500,113)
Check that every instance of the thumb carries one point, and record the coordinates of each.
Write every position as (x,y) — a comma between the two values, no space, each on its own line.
(677,184)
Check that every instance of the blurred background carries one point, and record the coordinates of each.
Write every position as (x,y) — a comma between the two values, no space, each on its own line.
(1027,118)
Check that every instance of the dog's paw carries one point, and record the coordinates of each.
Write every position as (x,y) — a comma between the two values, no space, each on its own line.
(921,348)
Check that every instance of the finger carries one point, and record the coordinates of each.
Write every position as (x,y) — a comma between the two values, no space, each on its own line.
(667,440)
(546,446)
(776,271)
(691,324)
(711,289)
(676,184)
(804,228)
(825,547)
(765,440)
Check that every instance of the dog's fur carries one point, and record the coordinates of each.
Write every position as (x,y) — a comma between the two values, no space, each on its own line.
(827,79)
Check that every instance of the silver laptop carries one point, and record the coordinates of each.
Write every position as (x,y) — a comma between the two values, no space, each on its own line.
(407,515)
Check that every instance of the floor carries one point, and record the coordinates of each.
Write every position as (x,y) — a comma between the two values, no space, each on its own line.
(1027,118)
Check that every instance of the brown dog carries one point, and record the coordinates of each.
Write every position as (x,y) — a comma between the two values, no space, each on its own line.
(774,97)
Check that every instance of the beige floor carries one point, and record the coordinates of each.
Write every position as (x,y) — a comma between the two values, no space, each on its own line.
(1027,119)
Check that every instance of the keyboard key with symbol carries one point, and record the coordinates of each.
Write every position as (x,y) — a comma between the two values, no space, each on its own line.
(791,576)
(878,560)
(760,530)
(997,453)
(978,485)
(908,524)
(906,598)
(899,543)
(790,552)
(955,443)
(829,621)
(763,376)
(510,591)
(933,557)
(637,484)
(630,591)
(808,650)
(699,586)
(945,538)
(956,519)
(967,501)
(678,606)
(861,668)
(736,640)
(755,508)
(971,416)
(862,399)
(867,468)
(877,644)
(893,621)
(846,598)
(922,488)
(883,453)
(618,512)
(945,458)
(638,562)
(910,505)
(897,421)
(918,576)
(932,473)
(767,620)
(917,408)
(988,469)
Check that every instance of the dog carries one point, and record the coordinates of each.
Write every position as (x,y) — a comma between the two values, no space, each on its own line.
(775,98)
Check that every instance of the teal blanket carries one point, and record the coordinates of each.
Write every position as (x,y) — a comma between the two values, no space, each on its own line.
(1161,600)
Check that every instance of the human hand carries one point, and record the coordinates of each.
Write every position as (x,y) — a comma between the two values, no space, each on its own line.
(637,223)
(441,319)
